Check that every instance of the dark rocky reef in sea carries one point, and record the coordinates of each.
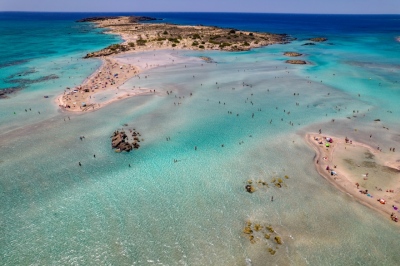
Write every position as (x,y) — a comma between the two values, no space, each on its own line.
(292,54)
(309,43)
(125,140)
(319,39)
(14,63)
(132,19)
(207,59)
(22,73)
(23,81)
(5,93)
(296,62)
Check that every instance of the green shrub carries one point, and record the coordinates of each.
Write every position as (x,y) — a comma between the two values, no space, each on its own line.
(232,32)
(196,36)
(114,47)
(173,45)
(165,32)
(201,46)
(195,43)
(141,42)
(173,40)
(131,44)
(225,44)
(246,44)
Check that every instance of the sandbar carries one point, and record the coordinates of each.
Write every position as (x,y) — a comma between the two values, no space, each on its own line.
(365,173)
(102,87)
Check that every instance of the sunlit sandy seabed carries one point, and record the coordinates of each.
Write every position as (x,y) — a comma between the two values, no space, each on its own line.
(193,212)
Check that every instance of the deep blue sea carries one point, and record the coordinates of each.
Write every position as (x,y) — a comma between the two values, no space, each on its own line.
(167,203)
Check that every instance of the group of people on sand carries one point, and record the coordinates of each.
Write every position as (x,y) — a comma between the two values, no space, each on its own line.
(394,217)
(107,77)
(348,140)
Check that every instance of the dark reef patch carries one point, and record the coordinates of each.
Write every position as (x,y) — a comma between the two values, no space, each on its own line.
(14,63)
(24,82)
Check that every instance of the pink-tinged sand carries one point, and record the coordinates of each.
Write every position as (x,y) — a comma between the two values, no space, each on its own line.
(108,79)
(357,163)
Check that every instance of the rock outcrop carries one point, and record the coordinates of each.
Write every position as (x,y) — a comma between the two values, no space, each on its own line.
(120,141)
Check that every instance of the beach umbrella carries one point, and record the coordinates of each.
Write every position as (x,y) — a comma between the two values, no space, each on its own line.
(327,145)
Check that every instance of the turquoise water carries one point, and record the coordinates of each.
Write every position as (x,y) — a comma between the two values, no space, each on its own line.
(193,212)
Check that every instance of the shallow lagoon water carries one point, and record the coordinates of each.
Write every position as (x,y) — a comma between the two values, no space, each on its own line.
(193,211)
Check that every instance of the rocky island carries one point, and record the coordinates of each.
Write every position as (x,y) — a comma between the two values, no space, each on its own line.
(133,19)
(144,36)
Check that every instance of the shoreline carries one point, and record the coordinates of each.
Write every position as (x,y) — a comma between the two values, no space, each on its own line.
(349,181)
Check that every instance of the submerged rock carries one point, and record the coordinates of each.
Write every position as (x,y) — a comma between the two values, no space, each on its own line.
(318,39)
(250,188)
(292,54)
(120,141)
(296,62)
(4,93)
(278,240)
(247,230)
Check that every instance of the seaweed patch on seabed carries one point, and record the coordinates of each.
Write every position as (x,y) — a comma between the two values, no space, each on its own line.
(368,164)
(264,234)
(349,162)
(276,181)
(369,155)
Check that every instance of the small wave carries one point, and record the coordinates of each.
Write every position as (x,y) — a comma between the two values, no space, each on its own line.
(397,38)
(248,262)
